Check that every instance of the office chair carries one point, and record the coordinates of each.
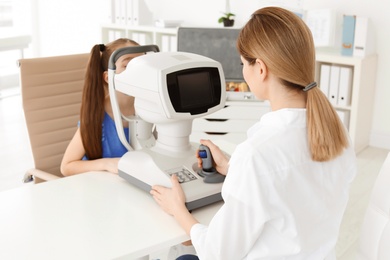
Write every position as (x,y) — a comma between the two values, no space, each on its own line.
(374,243)
(51,94)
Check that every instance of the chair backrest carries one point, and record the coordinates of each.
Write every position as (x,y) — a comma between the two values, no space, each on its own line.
(374,240)
(51,93)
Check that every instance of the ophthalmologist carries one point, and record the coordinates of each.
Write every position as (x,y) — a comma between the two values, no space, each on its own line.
(286,186)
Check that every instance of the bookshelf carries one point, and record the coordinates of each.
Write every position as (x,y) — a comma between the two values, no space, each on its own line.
(165,38)
(360,109)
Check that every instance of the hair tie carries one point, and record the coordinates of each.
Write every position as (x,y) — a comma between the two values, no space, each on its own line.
(102,47)
(310,86)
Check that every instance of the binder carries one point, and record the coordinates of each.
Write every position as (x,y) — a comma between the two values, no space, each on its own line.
(120,11)
(136,12)
(117,12)
(168,42)
(139,12)
(325,79)
(364,38)
(111,11)
(142,38)
(165,43)
(344,117)
(129,12)
(334,84)
(345,86)
(348,35)
(123,12)
(173,43)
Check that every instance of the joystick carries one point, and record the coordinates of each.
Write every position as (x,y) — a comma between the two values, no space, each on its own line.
(208,172)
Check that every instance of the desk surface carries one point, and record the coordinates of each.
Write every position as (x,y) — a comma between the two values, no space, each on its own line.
(94,215)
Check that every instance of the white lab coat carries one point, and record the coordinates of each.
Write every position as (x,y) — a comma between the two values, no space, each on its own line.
(279,203)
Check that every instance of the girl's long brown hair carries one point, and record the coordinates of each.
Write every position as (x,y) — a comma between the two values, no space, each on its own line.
(284,43)
(92,106)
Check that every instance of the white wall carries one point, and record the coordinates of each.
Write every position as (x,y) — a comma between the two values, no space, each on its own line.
(72,26)
(65,27)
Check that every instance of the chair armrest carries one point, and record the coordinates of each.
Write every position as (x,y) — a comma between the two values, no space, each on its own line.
(39,174)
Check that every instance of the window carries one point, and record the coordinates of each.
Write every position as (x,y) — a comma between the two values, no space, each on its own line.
(15,39)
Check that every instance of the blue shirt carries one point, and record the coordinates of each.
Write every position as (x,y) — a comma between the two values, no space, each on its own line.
(111,144)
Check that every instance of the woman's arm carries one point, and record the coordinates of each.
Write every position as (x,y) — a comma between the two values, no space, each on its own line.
(172,200)
(72,162)
(239,222)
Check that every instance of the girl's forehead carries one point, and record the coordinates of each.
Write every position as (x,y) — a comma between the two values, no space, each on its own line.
(129,56)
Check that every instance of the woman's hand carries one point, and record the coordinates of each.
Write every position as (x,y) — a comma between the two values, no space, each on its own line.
(221,162)
(171,200)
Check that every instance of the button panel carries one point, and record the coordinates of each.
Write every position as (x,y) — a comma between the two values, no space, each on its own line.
(182,174)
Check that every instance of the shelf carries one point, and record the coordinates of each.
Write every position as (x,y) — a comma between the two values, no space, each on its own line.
(140,28)
(331,57)
(362,96)
(165,38)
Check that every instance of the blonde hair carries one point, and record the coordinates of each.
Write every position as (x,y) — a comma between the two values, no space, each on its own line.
(284,43)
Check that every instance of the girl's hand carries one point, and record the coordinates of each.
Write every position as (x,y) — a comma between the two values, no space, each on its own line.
(111,164)
(221,161)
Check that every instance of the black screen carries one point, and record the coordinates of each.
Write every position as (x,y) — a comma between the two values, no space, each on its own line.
(194,90)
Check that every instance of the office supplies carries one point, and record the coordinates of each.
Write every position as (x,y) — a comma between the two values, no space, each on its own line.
(334,84)
(170,90)
(345,86)
(364,42)
(348,36)
(138,13)
(325,79)
(344,117)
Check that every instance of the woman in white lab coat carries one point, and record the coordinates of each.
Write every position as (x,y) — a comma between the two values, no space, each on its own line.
(286,186)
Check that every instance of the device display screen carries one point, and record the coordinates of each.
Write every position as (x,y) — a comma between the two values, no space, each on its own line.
(194,90)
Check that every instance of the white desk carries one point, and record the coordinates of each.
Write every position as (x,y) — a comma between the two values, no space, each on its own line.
(93,215)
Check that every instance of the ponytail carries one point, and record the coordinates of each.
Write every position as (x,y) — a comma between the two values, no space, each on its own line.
(92,108)
(326,134)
